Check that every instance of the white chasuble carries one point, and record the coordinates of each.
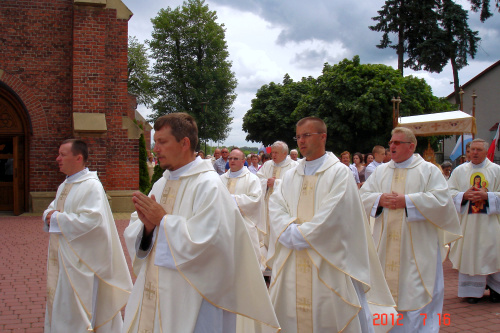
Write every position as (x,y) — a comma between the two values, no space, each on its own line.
(270,170)
(93,280)
(478,252)
(214,261)
(321,288)
(247,193)
(415,274)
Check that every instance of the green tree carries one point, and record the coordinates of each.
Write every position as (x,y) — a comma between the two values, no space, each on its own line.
(270,118)
(354,100)
(409,20)
(452,41)
(431,34)
(192,68)
(484,7)
(139,76)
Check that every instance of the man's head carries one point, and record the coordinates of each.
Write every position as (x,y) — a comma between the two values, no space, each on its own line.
(467,151)
(73,155)
(378,154)
(255,160)
(225,153)
(265,158)
(217,153)
(345,158)
(294,154)
(478,151)
(176,137)
(446,166)
(387,156)
(402,145)
(311,135)
(236,160)
(279,151)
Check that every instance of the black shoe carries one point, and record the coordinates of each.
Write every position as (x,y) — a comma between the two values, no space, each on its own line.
(494,296)
(473,300)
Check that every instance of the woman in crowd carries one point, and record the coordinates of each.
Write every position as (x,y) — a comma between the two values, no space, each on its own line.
(357,160)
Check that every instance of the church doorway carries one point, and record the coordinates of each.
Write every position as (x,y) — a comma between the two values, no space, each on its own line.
(14,127)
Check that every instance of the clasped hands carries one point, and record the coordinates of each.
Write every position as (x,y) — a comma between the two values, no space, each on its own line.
(392,200)
(149,211)
(49,215)
(475,194)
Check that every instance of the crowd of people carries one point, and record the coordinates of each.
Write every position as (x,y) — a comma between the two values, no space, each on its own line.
(341,243)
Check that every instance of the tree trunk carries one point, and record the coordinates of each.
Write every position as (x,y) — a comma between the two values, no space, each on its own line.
(456,82)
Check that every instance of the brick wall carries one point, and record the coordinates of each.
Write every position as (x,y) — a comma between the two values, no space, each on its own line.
(60,58)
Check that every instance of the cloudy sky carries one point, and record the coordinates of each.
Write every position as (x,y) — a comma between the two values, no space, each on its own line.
(269,38)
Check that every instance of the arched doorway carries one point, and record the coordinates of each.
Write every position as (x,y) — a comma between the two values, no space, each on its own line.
(14,130)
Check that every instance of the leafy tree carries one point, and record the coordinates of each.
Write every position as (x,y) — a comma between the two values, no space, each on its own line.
(270,117)
(191,68)
(354,100)
(410,20)
(452,41)
(139,79)
(431,33)
(484,7)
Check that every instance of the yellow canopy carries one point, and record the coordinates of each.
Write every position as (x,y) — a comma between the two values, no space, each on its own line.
(441,123)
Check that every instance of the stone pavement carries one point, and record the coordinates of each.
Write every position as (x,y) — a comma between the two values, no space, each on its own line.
(23,251)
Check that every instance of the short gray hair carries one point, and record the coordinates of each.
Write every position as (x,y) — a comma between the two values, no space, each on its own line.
(407,132)
(486,145)
(280,144)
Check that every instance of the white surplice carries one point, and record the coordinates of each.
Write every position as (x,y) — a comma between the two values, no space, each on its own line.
(207,270)
(348,286)
(429,223)
(248,197)
(478,252)
(93,280)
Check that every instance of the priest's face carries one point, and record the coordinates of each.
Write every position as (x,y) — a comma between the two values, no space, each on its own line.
(478,152)
(310,141)
(69,164)
(278,154)
(401,150)
(236,160)
(168,151)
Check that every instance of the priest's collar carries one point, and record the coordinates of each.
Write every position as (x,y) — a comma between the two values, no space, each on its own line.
(478,166)
(75,176)
(404,164)
(236,173)
(311,167)
(282,163)
(176,174)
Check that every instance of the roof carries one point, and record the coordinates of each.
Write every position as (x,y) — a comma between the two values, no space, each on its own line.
(475,78)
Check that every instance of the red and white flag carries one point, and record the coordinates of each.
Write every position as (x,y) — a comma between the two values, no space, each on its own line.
(491,150)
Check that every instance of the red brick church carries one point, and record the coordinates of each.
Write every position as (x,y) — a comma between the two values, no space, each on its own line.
(63,74)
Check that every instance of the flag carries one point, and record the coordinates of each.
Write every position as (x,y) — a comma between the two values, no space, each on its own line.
(491,150)
(457,151)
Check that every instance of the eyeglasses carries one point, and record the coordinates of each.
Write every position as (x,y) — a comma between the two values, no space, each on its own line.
(305,136)
(233,159)
(397,143)
(225,152)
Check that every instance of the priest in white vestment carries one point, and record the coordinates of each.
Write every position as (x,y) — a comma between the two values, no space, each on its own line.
(195,264)
(88,281)
(475,188)
(326,276)
(246,191)
(414,220)
(270,175)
